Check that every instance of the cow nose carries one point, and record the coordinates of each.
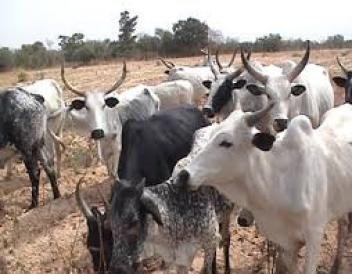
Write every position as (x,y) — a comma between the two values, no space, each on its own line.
(183,176)
(245,218)
(280,124)
(208,112)
(97,134)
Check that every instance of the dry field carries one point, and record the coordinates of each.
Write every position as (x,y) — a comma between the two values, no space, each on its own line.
(51,238)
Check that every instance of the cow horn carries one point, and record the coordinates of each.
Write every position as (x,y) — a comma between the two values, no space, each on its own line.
(82,205)
(168,64)
(344,69)
(150,204)
(255,117)
(106,203)
(301,65)
(67,85)
(229,64)
(119,81)
(251,70)
(212,68)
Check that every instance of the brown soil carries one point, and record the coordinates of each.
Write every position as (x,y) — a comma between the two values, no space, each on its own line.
(51,238)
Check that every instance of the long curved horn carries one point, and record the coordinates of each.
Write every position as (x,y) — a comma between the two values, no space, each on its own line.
(82,205)
(106,203)
(255,117)
(67,85)
(57,139)
(229,64)
(300,66)
(218,60)
(344,69)
(120,81)
(167,64)
(212,68)
(251,70)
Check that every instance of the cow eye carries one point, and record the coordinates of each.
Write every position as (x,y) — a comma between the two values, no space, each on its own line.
(78,104)
(226,144)
(111,102)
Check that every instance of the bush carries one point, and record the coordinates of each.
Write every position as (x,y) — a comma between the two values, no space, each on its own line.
(22,76)
(7,59)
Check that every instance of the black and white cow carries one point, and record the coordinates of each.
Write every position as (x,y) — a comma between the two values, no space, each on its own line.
(344,82)
(151,148)
(167,221)
(23,128)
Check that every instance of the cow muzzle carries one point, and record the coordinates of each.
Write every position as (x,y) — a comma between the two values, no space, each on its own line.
(183,178)
(208,112)
(97,134)
(280,124)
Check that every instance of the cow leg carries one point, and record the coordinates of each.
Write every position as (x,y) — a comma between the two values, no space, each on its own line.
(287,261)
(9,167)
(48,165)
(209,257)
(313,246)
(33,171)
(58,159)
(182,270)
(99,153)
(226,243)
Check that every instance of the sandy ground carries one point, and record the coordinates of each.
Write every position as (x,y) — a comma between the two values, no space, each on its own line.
(51,238)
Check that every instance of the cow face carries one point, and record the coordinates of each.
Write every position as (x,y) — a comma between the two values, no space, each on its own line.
(94,109)
(223,159)
(277,87)
(222,93)
(131,205)
(344,82)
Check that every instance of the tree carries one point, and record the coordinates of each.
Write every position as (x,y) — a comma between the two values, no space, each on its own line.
(190,35)
(7,59)
(69,44)
(127,38)
(335,41)
(268,43)
(167,45)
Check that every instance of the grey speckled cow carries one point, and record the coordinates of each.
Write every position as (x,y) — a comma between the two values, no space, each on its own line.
(168,221)
(23,125)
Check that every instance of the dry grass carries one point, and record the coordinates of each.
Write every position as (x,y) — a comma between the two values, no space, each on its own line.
(51,239)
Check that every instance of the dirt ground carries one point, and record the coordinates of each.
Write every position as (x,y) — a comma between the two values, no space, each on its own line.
(51,238)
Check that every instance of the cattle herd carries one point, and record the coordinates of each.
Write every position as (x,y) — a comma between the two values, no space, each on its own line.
(268,146)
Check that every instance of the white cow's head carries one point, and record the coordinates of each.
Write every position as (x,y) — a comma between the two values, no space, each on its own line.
(223,159)
(92,107)
(278,88)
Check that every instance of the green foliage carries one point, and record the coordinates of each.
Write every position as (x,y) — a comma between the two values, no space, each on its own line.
(190,35)
(127,27)
(268,43)
(7,59)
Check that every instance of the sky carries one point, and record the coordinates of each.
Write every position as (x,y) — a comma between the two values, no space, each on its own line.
(27,21)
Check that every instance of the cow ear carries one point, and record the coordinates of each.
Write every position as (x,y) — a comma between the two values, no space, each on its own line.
(339,81)
(297,90)
(255,90)
(77,104)
(111,102)
(263,141)
(150,205)
(239,84)
(39,98)
(167,71)
(207,84)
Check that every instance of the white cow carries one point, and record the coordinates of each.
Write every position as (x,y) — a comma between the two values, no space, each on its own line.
(310,86)
(196,76)
(101,115)
(174,93)
(293,187)
(54,103)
